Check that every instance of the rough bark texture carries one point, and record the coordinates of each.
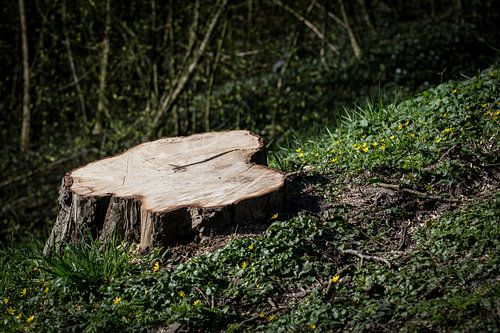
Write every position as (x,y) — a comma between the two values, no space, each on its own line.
(162,191)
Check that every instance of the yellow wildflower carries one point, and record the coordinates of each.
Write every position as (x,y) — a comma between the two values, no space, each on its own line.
(5,300)
(336,278)
(448,130)
(156,267)
(197,302)
(400,127)
(374,144)
(382,147)
(30,319)
(46,290)
(299,150)
(10,310)
(244,265)
(182,294)
(117,300)
(261,314)
(24,292)
(312,326)
(412,135)
(333,160)
(392,137)
(274,216)
(250,247)
(271,317)
(364,149)
(300,155)
(19,316)
(454,91)
(438,140)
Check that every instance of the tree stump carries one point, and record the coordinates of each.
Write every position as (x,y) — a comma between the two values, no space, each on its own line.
(162,191)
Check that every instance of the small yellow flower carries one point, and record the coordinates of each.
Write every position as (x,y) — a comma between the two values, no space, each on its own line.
(454,91)
(300,155)
(364,149)
(299,150)
(274,216)
(312,326)
(19,316)
(392,137)
(197,302)
(448,130)
(374,144)
(250,247)
(5,300)
(46,290)
(182,294)
(438,140)
(30,319)
(10,310)
(400,127)
(117,300)
(244,265)
(333,160)
(271,317)
(24,292)
(412,135)
(156,267)
(382,147)
(336,278)
(261,314)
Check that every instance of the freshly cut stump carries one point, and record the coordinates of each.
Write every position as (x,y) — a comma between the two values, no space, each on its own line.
(160,192)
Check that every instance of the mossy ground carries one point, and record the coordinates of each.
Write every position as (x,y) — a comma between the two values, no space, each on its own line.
(393,226)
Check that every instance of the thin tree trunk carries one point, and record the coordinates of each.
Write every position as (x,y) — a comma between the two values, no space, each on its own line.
(25,126)
(101,93)
(281,73)
(325,33)
(76,80)
(366,14)
(352,37)
(169,100)
(308,24)
(211,77)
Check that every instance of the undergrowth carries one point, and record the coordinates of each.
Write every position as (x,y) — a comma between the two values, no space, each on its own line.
(416,251)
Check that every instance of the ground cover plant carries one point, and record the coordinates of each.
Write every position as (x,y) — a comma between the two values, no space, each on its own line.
(392,226)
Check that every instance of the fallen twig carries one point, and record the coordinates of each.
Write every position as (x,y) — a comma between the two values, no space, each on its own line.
(397,187)
(366,257)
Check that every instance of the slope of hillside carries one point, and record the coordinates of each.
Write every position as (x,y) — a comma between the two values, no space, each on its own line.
(392,226)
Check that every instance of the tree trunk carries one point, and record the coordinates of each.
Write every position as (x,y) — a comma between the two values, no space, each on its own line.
(169,100)
(160,192)
(74,74)
(25,125)
(352,37)
(101,93)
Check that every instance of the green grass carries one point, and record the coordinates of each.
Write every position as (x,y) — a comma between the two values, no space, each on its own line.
(438,227)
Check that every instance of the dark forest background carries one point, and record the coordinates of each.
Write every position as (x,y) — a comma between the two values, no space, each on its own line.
(84,79)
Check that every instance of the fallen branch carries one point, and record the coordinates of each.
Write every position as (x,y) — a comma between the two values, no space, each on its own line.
(366,257)
(397,187)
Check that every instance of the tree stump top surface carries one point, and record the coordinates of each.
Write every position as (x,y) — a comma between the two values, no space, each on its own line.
(202,170)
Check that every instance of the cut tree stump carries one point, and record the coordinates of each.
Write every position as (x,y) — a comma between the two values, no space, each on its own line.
(163,191)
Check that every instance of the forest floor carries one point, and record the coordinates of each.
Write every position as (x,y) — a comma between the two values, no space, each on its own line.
(392,225)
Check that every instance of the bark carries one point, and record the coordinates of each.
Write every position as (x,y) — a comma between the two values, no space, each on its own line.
(25,125)
(103,71)
(161,192)
(169,100)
